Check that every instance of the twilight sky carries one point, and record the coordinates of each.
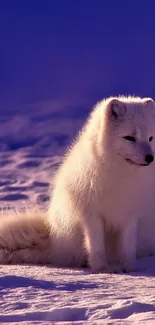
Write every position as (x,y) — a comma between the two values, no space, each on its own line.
(65,49)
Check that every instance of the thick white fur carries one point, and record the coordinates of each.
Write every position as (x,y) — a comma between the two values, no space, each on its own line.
(102,208)
(24,235)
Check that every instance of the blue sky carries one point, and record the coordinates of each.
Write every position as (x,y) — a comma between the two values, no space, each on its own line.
(72,49)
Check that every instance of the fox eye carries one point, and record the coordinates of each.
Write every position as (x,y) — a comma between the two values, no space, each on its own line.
(129,138)
(150,139)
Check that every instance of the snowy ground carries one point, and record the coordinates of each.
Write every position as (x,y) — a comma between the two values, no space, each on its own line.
(36,294)
(31,147)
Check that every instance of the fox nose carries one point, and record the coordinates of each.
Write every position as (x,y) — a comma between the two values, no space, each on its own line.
(149,159)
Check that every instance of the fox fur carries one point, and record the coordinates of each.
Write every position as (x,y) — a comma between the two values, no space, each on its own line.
(101,213)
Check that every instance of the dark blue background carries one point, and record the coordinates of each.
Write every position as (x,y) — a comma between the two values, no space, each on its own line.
(75,49)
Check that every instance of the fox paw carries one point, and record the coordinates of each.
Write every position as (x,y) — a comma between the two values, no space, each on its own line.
(101,269)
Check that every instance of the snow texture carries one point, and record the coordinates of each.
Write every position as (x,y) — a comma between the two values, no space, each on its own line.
(41,294)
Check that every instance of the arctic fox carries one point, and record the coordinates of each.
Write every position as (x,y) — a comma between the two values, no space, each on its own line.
(102,210)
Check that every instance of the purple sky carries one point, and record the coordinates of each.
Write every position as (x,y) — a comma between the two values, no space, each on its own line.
(71,49)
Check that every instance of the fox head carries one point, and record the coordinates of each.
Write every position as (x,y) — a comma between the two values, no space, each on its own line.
(129,129)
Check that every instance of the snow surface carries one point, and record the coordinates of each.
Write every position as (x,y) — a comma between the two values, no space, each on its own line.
(41,294)
(31,144)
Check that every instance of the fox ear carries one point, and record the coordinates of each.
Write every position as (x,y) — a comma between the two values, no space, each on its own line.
(117,109)
(148,102)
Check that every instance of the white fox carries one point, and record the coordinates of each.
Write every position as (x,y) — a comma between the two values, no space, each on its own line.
(102,209)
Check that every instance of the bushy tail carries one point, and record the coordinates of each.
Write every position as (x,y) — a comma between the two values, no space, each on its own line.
(24,237)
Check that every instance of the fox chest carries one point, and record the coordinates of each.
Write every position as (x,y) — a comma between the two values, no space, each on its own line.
(126,199)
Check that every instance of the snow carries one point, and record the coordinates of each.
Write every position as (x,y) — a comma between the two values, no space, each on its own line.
(41,294)
(31,145)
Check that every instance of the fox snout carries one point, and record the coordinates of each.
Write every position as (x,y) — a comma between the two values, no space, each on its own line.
(149,159)
(144,155)
(147,153)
